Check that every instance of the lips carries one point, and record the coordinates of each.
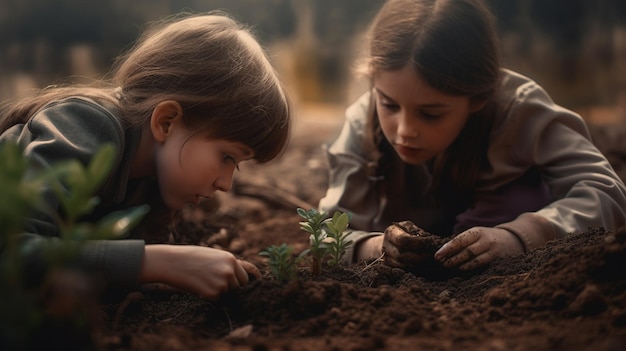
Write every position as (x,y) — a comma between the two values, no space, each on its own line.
(199,198)
(406,149)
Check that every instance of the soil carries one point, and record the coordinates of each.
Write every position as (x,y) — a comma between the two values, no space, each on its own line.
(568,295)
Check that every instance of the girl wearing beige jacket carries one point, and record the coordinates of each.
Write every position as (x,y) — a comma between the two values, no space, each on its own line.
(449,140)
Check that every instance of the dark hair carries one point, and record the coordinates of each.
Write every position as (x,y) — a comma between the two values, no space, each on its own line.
(210,64)
(451,45)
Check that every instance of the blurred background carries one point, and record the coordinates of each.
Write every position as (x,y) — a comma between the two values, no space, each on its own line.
(576,49)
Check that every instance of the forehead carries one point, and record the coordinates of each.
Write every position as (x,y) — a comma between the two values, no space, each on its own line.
(239,147)
(242,150)
(407,87)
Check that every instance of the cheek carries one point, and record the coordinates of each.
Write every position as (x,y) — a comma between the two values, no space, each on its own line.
(204,163)
(168,173)
(200,174)
(182,171)
(167,163)
(199,165)
(388,125)
(441,138)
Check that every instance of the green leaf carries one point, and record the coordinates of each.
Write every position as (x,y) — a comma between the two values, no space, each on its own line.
(118,224)
(281,261)
(307,227)
(302,212)
(74,175)
(341,221)
(100,166)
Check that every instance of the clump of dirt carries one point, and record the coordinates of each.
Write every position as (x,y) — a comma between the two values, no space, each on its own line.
(418,240)
(419,257)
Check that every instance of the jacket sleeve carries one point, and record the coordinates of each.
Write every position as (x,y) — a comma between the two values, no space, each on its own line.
(72,129)
(350,187)
(585,189)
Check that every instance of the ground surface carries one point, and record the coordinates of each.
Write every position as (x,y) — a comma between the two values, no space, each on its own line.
(570,295)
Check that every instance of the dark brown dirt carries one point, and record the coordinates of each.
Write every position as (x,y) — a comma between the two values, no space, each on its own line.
(569,295)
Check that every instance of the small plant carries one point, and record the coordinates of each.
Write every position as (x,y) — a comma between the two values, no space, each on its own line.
(314,226)
(328,244)
(22,192)
(337,233)
(327,237)
(282,262)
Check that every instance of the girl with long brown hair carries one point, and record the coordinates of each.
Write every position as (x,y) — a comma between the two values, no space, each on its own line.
(194,98)
(460,146)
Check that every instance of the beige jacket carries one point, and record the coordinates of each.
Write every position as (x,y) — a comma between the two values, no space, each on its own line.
(530,132)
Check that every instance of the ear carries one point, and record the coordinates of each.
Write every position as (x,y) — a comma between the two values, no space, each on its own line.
(164,116)
(477,105)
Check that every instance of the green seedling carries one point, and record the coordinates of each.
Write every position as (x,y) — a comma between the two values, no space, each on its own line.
(336,228)
(313,224)
(328,243)
(327,237)
(283,264)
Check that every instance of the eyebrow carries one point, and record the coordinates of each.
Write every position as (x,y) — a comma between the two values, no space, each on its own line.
(420,106)
(245,151)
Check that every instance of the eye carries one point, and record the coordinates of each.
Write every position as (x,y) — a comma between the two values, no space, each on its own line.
(230,159)
(388,105)
(430,116)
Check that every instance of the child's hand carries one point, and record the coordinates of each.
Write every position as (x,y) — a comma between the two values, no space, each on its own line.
(404,245)
(253,271)
(478,246)
(369,248)
(203,271)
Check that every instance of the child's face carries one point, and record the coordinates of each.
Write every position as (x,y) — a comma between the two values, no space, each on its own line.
(191,167)
(419,121)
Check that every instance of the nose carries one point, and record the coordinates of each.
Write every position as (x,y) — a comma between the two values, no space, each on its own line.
(407,128)
(224,182)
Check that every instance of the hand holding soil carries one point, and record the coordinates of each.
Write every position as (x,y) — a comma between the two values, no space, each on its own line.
(406,245)
(411,248)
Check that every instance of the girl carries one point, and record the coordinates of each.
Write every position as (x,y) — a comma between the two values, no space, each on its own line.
(449,140)
(194,98)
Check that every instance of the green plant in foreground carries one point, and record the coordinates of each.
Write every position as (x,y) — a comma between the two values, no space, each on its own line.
(23,189)
(75,186)
(282,262)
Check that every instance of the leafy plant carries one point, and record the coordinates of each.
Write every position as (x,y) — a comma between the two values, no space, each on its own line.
(282,262)
(23,189)
(327,237)
(336,228)
(314,226)
(82,183)
(328,243)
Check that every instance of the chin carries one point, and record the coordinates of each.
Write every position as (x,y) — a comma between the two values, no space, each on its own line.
(176,205)
(412,160)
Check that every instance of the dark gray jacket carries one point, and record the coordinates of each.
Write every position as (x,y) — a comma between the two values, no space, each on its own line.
(75,128)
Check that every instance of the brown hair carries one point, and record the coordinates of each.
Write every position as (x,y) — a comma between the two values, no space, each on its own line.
(450,44)
(210,64)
